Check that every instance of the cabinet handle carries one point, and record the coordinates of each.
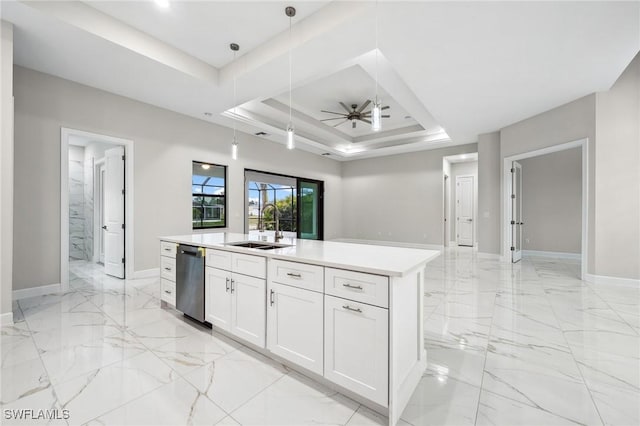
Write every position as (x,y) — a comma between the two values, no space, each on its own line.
(289,274)
(232,282)
(167,249)
(271,301)
(167,269)
(227,284)
(356,287)
(167,291)
(349,308)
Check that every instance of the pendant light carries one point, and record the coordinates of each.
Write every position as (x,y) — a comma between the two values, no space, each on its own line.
(234,144)
(376,109)
(291,133)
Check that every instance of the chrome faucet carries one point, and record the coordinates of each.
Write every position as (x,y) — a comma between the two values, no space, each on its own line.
(276,213)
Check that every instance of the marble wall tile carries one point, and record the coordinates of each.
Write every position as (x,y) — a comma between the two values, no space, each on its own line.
(76,210)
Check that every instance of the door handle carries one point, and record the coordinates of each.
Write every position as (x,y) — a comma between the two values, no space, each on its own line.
(469,220)
(227,284)
(271,301)
(104,227)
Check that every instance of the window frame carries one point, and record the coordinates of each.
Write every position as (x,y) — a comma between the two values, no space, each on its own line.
(213,196)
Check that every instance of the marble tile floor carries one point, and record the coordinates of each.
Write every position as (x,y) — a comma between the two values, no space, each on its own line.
(524,344)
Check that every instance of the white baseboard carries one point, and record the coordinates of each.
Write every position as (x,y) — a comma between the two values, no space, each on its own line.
(603,279)
(553,254)
(36,291)
(390,243)
(146,273)
(6,319)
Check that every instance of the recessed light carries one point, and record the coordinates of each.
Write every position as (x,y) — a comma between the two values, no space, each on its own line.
(208,114)
(261,134)
(205,166)
(162,3)
(326,154)
(407,117)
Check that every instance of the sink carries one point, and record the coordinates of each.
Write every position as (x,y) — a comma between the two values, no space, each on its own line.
(257,245)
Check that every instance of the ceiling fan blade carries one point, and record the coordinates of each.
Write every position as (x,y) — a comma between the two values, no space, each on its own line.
(329,119)
(363,106)
(385,107)
(342,122)
(385,116)
(353,124)
(366,121)
(331,112)
(346,108)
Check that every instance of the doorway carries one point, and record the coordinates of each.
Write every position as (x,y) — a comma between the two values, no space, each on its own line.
(545,203)
(460,199)
(96,199)
(299,203)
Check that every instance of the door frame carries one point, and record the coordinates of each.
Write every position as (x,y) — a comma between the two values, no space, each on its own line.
(65,133)
(98,195)
(506,197)
(475,208)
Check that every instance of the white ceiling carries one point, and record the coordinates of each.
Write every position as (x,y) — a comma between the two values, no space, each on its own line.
(469,67)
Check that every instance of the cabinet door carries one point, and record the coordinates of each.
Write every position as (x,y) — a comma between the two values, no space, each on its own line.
(248,298)
(295,325)
(356,347)
(217,301)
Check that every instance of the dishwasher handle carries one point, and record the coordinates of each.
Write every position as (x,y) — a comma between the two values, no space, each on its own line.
(191,251)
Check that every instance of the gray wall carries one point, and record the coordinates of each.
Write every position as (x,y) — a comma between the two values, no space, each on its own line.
(397,198)
(165,144)
(566,123)
(617,190)
(489,184)
(459,169)
(6,169)
(552,202)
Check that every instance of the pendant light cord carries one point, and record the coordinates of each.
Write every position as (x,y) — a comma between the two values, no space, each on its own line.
(235,102)
(290,69)
(376,51)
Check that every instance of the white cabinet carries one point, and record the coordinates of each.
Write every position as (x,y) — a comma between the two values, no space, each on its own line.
(295,325)
(356,347)
(217,302)
(234,300)
(248,305)
(168,272)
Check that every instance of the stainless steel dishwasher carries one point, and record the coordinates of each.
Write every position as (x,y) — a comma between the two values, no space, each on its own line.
(190,281)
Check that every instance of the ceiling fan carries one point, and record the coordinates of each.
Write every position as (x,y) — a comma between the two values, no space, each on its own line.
(354,114)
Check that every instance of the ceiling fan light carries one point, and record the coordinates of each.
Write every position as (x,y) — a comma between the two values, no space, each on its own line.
(291,143)
(376,116)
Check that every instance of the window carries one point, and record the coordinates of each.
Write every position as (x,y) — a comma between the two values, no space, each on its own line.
(208,195)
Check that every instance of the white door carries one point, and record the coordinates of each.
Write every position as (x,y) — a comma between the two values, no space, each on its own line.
(114,212)
(295,325)
(356,351)
(464,210)
(516,212)
(217,299)
(248,308)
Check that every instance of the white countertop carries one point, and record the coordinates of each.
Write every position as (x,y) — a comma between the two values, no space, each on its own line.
(375,259)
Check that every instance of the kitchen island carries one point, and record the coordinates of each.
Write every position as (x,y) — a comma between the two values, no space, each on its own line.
(347,315)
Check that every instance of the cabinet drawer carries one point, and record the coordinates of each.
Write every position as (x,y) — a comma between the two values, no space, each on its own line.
(168,268)
(308,277)
(218,259)
(254,266)
(358,286)
(168,249)
(168,292)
